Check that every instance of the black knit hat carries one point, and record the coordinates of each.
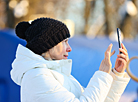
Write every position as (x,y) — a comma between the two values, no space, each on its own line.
(42,34)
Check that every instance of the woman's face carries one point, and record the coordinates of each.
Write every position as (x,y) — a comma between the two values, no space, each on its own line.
(60,51)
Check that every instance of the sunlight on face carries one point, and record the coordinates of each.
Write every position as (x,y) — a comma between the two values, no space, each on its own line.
(60,51)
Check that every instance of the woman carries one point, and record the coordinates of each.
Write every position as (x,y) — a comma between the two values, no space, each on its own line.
(43,70)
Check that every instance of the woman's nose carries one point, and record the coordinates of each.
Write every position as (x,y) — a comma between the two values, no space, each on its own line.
(68,49)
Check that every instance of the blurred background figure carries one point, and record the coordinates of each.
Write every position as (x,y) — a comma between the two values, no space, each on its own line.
(92,24)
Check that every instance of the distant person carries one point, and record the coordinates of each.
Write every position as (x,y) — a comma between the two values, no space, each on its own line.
(43,69)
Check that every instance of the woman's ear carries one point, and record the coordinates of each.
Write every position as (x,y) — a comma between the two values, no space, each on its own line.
(46,55)
(43,54)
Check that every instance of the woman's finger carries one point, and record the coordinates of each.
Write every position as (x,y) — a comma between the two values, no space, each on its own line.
(123,51)
(123,47)
(112,53)
(122,60)
(109,48)
(108,52)
(123,57)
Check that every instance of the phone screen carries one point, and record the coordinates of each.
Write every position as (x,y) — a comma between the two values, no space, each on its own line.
(119,37)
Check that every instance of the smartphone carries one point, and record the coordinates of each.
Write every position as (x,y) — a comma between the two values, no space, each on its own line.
(119,37)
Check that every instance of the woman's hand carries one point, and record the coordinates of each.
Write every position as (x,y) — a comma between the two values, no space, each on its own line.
(106,63)
(122,59)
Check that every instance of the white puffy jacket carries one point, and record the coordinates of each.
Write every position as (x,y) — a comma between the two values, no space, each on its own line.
(51,81)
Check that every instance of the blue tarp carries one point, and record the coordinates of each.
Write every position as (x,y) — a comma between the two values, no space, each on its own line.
(86,54)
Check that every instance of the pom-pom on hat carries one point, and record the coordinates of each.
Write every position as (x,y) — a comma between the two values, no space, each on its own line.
(42,34)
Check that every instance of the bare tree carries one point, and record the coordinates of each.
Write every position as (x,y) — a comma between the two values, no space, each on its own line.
(2,14)
(130,23)
(10,19)
(61,8)
(89,7)
(32,9)
(111,14)
(36,9)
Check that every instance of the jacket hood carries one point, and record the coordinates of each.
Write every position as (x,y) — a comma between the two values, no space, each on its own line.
(26,60)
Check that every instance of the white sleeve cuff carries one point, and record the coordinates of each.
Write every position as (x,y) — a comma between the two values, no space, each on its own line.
(117,73)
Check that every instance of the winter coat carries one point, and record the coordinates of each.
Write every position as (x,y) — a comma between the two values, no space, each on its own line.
(51,81)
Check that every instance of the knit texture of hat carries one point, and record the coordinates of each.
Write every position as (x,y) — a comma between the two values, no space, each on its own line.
(42,34)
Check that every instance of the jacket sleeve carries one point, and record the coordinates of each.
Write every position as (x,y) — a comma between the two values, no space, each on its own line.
(98,88)
(45,88)
(118,86)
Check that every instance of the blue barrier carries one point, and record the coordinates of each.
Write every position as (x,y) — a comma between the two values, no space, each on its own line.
(4,93)
(9,91)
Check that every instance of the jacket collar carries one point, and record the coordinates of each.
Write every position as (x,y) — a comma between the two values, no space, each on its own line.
(63,66)
(26,60)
